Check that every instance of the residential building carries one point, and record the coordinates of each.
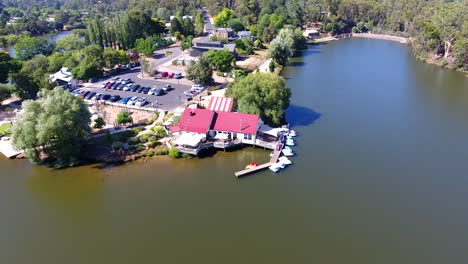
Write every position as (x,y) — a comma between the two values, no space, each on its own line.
(224,33)
(245,35)
(201,47)
(62,77)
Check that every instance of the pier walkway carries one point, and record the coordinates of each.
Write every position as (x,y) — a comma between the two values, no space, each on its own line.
(274,159)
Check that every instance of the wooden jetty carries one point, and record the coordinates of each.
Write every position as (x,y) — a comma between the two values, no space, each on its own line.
(274,159)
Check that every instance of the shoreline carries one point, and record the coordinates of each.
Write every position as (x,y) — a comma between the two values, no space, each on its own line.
(401,40)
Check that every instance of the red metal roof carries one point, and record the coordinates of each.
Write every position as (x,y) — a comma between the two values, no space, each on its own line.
(194,120)
(221,104)
(235,122)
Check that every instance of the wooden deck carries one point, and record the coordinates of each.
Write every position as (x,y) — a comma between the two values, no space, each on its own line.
(274,159)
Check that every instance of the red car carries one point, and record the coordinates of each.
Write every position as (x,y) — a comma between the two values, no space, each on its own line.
(171,75)
(164,74)
(109,85)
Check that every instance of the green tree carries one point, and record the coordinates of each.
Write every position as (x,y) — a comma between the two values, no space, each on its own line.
(176,26)
(201,71)
(235,24)
(221,19)
(5,91)
(86,71)
(279,51)
(57,124)
(7,65)
(199,24)
(28,47)
(69,43)
(188,29)
(145,46)
(221,60)
(32,76)
(124,117)
(113,57)
(265,94)
(56,61)
(186,43)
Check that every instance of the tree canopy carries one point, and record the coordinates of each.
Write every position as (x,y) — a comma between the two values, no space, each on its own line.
(201,71)
(56,124)
(221,60)
(265,94)
(28,47)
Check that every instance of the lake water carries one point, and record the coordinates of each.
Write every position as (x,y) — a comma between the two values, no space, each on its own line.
(380,177)
(49,37)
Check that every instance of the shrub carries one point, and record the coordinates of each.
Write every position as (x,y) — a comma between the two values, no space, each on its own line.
(137,130)
(187,156)
(161,150)
(220,74)
(160,132)
(153,144)
(146,137)
(174,152)
(124,136)
(175,120)
(99,122)
(169,115)
(133,141)
(117,145)
(141,147)
(124,117)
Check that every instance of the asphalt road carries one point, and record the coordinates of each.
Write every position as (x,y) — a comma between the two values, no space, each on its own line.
(169,101)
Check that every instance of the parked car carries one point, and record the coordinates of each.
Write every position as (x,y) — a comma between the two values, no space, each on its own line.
(159,92)
(127,81)
(115,98)
(115,79)
(114,86)
(139,90)
(146,90)
(132,100)
(109,85)
(125,100)
(152,91)
(96,96)
(141,101)
(121,87)
(134,87)
(178,75)
(189,93)
(84,94)
(90,95)
(167,87)
(164,74)
(104,84)
(127,87)
(171,75)
(105,97)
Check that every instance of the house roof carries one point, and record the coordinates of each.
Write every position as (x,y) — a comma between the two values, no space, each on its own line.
(221,104)
(244,33)
(235,122)
(224,30)
(64,74)
(194,120)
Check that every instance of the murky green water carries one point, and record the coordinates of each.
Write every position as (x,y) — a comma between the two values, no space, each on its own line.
(380,177)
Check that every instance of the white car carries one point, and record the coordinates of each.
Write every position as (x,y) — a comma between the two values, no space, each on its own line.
(127,87)
(195,86)
(132,100)
(152,91)
(141,101)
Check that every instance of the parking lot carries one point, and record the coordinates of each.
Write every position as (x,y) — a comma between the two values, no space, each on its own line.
(169,101)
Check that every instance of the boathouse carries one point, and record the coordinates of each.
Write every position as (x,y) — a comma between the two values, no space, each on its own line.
(199,129)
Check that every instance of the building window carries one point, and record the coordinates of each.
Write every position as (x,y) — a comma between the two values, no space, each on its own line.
(247,136)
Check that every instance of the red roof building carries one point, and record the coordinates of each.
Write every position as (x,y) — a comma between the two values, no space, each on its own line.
(194,120)
(203,120)
(235,122)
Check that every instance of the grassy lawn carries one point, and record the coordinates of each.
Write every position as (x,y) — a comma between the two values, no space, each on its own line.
(4,128)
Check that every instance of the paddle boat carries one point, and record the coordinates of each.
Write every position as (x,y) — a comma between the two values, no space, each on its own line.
(290,142)
(285,160)
(251,165)
(288,152)
(275,167)
(292,133)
